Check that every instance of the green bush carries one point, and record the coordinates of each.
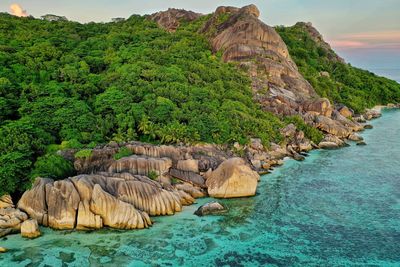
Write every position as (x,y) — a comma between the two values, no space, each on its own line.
(52,166)
(153,175)
(84,153)
(122,153)
(310,132)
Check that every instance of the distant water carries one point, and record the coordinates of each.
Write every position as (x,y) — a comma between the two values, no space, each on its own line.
(393,74)
(337,208)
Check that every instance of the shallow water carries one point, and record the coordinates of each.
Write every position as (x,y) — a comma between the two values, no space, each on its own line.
(337,208)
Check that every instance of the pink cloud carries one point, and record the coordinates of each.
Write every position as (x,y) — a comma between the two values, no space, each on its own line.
(18,11)
(382,40)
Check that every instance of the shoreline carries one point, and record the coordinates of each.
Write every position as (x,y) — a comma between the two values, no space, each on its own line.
(189,190)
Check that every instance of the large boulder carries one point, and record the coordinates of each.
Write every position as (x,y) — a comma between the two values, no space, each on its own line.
(30,229)
(233,178)
(62,200)
(210,208)
(116,213)
(33,201)
(345,112)
(11,220)
(320,106)
(86,218)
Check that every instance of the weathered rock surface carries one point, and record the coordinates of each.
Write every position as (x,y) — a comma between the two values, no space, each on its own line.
(233,178)
(210,208)
(86,218)
(76,203)
(11,220)
(244,38)
(30,229)
(191,165)
(33,201)
(191,190)
(116,213)
(6,202)
(171,19)
(62,204)
(141,165)
(328,145)
(187,176)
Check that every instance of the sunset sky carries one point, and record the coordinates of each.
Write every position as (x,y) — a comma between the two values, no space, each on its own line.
(365,32)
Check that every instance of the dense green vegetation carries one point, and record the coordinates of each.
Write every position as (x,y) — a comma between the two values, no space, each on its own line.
(356,88)
(68,85)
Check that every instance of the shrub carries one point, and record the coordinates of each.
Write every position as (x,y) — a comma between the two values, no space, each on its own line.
(122,153)
(84,153)
(52,166)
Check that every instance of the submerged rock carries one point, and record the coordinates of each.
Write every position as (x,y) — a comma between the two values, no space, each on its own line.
(368,126)
(233,178)
(2,250)
(362,143)
(30,229)
(210,208)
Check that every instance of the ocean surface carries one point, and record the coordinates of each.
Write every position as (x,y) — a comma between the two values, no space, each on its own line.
(337,208)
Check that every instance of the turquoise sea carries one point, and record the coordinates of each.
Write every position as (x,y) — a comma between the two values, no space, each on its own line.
(337,208)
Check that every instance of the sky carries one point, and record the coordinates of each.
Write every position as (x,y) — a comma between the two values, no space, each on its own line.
(365,32)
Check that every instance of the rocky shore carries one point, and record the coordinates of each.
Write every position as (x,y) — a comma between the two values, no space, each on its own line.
(153,180)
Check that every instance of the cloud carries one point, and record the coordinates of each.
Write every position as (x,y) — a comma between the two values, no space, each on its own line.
(369,40)
(18,11)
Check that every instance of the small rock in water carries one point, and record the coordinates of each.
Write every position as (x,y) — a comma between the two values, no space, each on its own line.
(361,143)
(368,126)
(210,208)
(2,250)
(30,229)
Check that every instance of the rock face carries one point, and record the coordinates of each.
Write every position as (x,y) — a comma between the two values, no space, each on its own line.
(233,178)
(141,165)
(30,229)
(210,208)
(6,202)
(116,213)
(118,200)
(11,220)
(171,19)
(244,38)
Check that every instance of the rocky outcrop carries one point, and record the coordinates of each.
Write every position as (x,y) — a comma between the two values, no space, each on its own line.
(119,200)
(11,220)
(116,213)
(62,201)
(86,219)
(189,177)
(233,178)
(210,208)
(33,201)
(191,190)
(6,202)
(171,19)
(30,229)
(141,165)
(242,37)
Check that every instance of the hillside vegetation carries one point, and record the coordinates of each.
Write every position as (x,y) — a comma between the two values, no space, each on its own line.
(345,84)
(68,85)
